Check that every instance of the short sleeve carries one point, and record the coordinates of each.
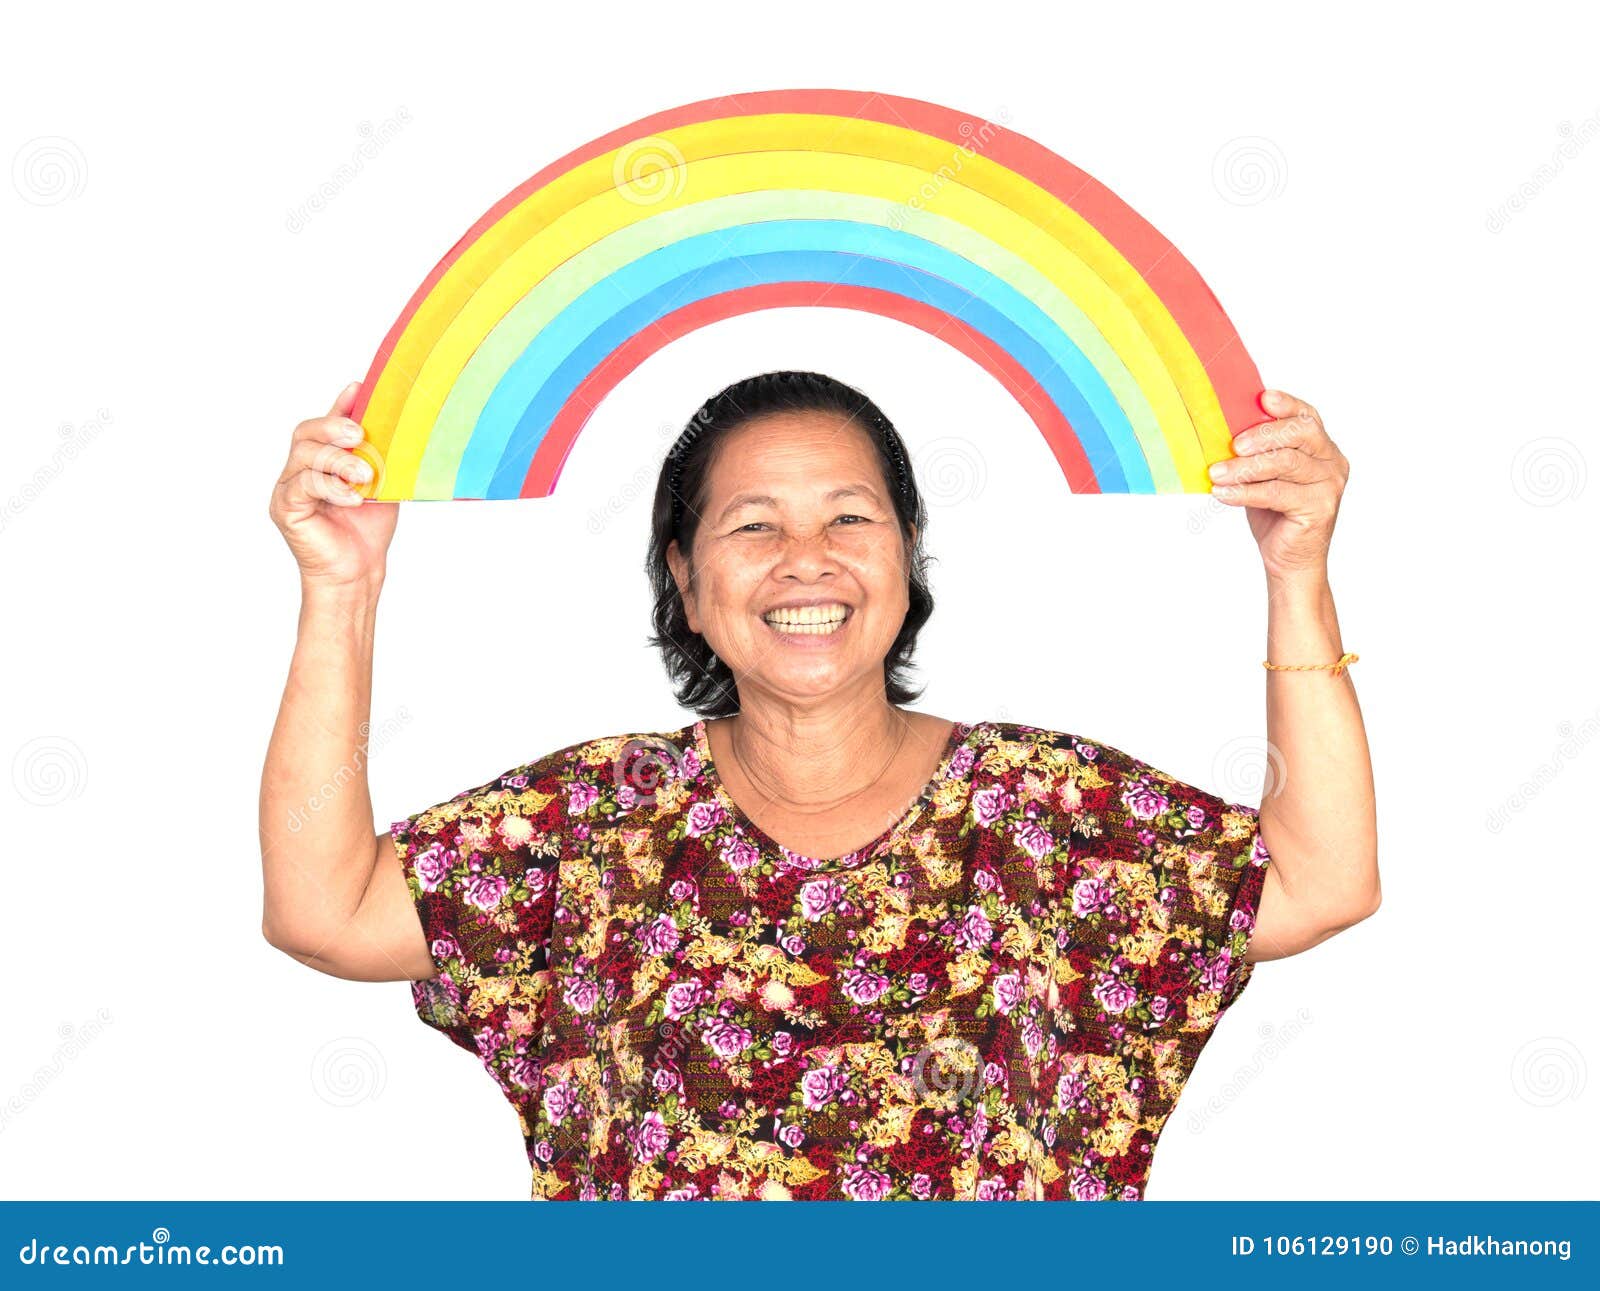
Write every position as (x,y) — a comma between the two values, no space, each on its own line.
(1168,879)
(482,869)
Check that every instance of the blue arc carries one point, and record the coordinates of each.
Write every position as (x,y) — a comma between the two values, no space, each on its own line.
(535,388)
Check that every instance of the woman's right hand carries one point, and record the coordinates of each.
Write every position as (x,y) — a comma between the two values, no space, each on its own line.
(338,536)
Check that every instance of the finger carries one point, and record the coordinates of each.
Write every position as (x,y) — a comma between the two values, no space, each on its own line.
(345,401)
(330,459)
(1296,432)
(1278,463)
(329,430)
(1280,403)
(318,486)
(1284,496)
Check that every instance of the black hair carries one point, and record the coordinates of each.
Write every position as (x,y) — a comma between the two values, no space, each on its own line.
(703,682)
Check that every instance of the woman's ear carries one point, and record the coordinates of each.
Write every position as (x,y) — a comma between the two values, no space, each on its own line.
(680,575)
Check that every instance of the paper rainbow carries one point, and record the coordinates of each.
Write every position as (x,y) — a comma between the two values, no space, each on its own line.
(1092,320)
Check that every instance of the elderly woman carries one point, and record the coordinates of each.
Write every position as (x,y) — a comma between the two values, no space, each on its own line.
(815,943)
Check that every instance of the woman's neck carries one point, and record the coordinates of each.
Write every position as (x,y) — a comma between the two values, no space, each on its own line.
(814,760)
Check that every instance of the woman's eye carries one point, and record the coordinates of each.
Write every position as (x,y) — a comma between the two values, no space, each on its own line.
(756,525)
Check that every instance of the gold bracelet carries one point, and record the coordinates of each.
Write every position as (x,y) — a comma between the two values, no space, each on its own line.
(1343,662)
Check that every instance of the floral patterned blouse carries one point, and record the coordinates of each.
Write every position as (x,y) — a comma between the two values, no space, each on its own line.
(999,998)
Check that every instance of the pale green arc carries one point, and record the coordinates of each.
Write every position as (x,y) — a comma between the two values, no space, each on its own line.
(506,341)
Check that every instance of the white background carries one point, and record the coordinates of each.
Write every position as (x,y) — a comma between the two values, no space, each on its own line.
(1335,174)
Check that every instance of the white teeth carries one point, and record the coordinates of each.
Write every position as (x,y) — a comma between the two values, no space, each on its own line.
(807,620)
(808,614)
(806,629)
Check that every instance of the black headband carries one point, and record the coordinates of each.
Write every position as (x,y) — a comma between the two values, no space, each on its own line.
(889,441)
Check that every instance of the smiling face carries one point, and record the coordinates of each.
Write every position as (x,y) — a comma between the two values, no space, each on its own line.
(800,581)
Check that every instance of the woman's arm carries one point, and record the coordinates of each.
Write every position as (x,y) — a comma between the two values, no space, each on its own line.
(331,887)
(1318,813)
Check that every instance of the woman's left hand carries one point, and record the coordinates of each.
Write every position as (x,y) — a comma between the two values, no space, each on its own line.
(1289,476)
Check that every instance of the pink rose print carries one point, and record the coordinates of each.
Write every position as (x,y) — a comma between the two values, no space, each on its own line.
(485,890)
(580,797)
(727,1039)
(861,1183)
(650,1139)
(433,867)
(661,936)
(820,896)
(1089,896)
(1144,800)
(1196,816)
(1032,1037)
(921,1187)
(1085,1187)
(976,930)
(739,854)
(863,986)
(1214,974)
(820,1086)
(791,1136)
(683,890)
(988,805)
(1034,838)
(1069,1089)
(703,817)
(782,1043)
(682,998)
(1114,994)
(522,1072)
(1007,992)
(537,881)
(560,1101)
(582,994)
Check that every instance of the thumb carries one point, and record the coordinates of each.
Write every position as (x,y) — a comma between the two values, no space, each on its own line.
(345,401)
